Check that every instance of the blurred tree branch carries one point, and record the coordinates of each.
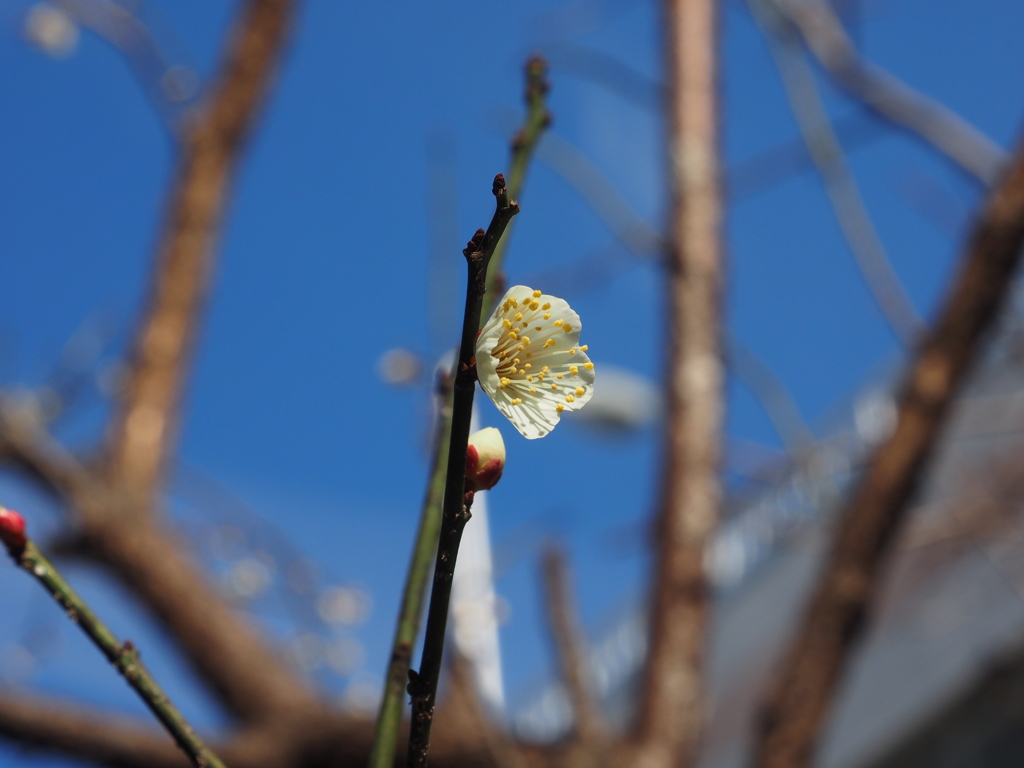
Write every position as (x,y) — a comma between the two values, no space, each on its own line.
(919,115)
(143,431)
(671,707)
(589,730)
(56,726)
(814,662)
(117,502)
(840,186)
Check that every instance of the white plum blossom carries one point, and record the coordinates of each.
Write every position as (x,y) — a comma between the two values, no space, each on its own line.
(530,363)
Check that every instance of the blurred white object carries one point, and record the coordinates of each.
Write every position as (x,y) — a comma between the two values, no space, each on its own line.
(399,366)
(51,30)
(473,614)
(344,605)
(622,401)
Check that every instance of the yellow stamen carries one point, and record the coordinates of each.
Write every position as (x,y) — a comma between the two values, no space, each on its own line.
(521,371)
(558,376)
(549,343)
(526,340)
(572,351)
(570,399)
(554,387)
(559,408)
(534,305)
(547,305)
(566,327)
(536,294)
(579,391)
(547,315)
(573,370)
(557,322)
(545,370)
(533,390)
(529,378)
(518,316)
(512,335)
(506,323)
(589,366)
(527,365)
(585,347)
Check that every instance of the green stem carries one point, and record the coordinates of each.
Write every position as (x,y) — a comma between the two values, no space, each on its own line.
(124,656)
(423,685)
(389,718)
(523,144)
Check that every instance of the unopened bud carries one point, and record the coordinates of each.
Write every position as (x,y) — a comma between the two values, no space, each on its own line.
(485,459)
(12,530)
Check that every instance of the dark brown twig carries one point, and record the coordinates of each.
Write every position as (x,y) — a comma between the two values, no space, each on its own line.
(145,423)
(457,503)
(671,707)
(814,662)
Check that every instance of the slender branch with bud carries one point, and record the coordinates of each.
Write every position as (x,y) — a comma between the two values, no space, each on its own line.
(457,501)
(124,656)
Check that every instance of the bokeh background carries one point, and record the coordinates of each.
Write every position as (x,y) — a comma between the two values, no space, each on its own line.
(304,450)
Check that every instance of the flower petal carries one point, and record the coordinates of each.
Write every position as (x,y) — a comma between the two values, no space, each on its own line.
(530,363)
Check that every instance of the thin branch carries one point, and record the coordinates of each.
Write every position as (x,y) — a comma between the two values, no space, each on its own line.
(457,503)
(123,656)
(28,445)
(827,153)
(570,647)
(672,693)
(600,194)
(145,423)
(464,715)
(813,665)
(165,84)
(921,116)
(230,655)
(389,717)
(775,399)
(524,142)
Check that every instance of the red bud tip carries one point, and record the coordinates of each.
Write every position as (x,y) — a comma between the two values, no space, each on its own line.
(12,529)
(485,459)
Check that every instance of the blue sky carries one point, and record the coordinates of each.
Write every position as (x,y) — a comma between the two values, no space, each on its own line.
(326,263)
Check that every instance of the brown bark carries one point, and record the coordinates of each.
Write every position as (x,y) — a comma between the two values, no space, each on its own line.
(332,740)
(145,423)
(570,647)
(813,664)
(672,698)
(223,647)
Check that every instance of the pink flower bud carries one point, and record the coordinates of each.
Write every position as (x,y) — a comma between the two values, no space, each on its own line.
(485,459)
(12,529)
